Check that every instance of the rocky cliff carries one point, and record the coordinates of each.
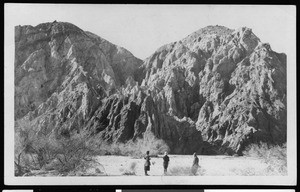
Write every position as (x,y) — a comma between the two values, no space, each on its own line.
(62,73)
(213,92)
(229,83)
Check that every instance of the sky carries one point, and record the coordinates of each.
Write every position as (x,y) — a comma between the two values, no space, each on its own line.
(142,29)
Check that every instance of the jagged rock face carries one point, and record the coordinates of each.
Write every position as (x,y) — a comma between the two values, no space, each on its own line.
(62,73)
(213,92)
(123,63)
(136,115)
(228,82)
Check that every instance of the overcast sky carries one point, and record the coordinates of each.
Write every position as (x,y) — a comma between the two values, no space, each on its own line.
(143,28)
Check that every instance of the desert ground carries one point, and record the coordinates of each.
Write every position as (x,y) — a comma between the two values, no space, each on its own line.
(180,165)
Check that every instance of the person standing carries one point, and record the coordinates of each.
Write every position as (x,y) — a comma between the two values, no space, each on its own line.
(166,162)
(147,163)
(195,164)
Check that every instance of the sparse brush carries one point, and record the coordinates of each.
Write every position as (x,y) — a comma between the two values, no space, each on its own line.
(185,171)
(132,166)
(138,148)
(51,152)
(131,170)
(273,155)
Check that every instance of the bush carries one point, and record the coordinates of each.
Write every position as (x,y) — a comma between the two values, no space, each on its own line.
(25,159)
(185,171)
(273,155)
(138,148)
(131,170)
(51,152)
(152,144)
(71,152)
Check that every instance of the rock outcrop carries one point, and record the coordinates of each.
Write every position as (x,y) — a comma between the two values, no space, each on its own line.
(228,82)
(214,92)
(62,73)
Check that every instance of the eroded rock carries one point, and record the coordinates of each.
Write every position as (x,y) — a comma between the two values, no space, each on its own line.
(214,92)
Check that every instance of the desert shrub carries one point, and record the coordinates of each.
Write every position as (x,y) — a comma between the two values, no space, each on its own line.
(51,152)
(131,170)
(185,171)
(151,143)
(88,168)
(273,155)
(138,148)
(72,153)
(24,159)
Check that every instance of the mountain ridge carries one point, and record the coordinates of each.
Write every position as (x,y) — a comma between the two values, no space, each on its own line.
(213,92)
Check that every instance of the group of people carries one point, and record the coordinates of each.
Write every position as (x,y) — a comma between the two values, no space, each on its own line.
(166,160)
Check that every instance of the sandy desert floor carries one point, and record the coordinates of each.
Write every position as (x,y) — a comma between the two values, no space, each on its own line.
(209,165)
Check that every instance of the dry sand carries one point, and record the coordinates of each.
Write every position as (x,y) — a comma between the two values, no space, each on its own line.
(209,165)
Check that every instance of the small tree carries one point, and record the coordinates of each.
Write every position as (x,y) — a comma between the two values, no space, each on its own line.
(64,154)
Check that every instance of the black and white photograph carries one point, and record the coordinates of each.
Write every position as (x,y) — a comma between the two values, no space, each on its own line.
(103,94)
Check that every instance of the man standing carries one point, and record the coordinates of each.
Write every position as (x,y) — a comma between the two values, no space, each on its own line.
(166,162)
(195,164)
(147,163)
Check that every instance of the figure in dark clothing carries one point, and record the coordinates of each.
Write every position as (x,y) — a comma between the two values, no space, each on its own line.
(147,163)
(166,162)
(195,164)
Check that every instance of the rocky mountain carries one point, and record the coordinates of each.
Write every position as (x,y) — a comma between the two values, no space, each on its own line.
(213,92)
